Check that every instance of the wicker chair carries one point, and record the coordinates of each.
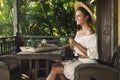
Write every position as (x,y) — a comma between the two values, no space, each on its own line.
(4,71)
(9,68)
(96,72)
(100,71)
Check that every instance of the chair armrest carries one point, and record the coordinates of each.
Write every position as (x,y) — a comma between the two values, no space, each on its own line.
(9,67)
(8,57)
(10,60)
(4,71)
(3,65)
(96,72)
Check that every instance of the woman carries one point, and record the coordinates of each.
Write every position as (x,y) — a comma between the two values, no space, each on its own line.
(84,45)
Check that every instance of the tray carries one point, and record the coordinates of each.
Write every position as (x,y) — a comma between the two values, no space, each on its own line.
(33,49)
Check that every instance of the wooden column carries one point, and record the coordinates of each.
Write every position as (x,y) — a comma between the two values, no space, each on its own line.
(107,28)
(16,20)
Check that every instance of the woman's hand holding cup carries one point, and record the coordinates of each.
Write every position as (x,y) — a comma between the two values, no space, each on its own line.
(72,42)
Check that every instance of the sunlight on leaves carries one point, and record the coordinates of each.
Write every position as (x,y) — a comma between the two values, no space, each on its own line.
(40,17)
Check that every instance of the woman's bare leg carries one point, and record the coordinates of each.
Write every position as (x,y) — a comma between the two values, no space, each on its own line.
(57,68)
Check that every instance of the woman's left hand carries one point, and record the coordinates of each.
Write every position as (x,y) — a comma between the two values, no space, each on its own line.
(72,42)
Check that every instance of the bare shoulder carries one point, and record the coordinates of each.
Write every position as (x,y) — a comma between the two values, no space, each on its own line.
(86,32)
(90,31)
(79,32)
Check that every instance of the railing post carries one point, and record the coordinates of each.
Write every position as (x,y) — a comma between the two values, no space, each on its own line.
(18,42)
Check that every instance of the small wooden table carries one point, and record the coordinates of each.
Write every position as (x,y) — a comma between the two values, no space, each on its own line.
(48,55)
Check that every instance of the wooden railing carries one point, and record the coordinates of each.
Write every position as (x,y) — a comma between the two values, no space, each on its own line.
(10,45)
(7,45)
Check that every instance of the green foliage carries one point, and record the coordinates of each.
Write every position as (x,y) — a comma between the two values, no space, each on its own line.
(6,17)
(40,17)
(47,17)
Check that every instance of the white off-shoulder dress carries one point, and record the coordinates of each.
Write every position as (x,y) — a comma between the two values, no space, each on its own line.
(89,42)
